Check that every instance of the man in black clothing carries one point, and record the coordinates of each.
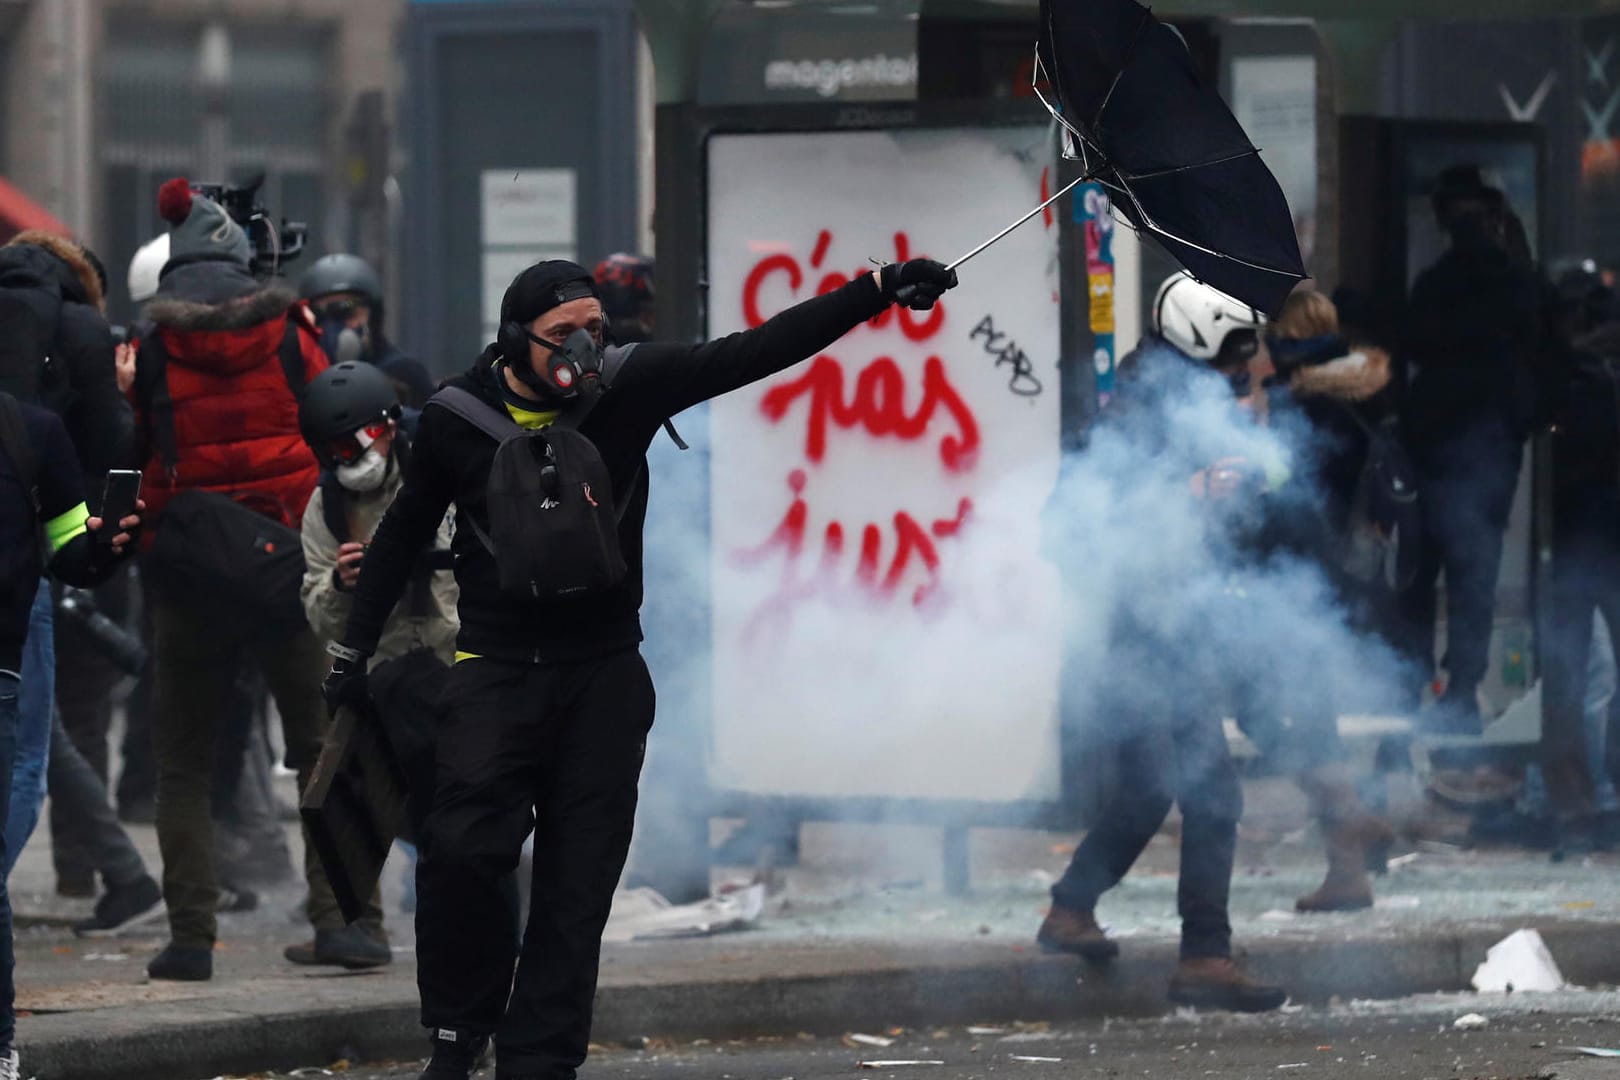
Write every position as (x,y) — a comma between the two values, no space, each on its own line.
(547,710)
(1474,323)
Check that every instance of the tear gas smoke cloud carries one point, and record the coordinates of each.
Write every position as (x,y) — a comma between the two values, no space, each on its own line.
(1123,545)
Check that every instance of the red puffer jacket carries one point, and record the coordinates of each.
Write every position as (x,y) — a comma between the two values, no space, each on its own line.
(235,417)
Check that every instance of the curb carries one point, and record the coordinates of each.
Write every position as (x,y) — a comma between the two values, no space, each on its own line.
(870,990)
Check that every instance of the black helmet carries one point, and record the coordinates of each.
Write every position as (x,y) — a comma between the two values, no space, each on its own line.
(340,401)
(341,273)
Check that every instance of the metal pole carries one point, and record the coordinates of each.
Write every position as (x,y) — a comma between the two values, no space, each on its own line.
(1073,183)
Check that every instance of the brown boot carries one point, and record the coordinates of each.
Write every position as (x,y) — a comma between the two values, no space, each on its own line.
(1349,830)
(1216,982)
(1075,932)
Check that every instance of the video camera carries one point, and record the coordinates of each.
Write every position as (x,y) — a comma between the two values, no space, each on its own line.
(272,244)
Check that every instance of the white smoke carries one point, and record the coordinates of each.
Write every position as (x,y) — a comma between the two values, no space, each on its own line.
(1124,544)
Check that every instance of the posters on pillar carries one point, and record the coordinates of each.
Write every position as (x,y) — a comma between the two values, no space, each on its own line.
(525,215)
(884,623)
(1095,213)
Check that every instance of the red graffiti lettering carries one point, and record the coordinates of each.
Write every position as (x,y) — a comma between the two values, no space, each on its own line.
(878,577)
(878,404)
(915,325)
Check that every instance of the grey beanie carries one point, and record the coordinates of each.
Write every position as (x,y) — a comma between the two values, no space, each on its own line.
(199,227)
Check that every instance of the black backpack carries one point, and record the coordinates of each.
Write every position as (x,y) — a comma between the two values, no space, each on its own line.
(553,522)
(30,313)
(1385,528)
(214,549)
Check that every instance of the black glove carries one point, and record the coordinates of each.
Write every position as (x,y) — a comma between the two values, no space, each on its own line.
(917,283)
(346,685)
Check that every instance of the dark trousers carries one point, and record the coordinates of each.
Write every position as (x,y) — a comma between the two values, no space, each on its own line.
(197,659)
(1467,490)
(556,749)
(137,780)
(1183,761)
(85,680)
(101,844)
(1585,578)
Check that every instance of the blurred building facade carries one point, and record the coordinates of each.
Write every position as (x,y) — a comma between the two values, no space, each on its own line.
(102,100)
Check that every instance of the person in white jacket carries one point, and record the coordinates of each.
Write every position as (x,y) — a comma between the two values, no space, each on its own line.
(351,418)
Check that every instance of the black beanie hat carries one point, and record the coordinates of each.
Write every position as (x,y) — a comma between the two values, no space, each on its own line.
(542,287)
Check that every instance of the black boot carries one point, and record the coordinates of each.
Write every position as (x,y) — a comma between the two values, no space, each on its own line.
(124,907)
(182,964)
(349,946)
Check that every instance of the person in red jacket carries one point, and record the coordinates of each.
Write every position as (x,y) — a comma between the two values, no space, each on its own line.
(230,354)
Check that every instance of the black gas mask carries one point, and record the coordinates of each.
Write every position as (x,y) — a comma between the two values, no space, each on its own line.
(572,368)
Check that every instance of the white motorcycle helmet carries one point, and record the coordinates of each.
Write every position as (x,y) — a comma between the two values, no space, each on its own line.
(1200,320)
(146,266)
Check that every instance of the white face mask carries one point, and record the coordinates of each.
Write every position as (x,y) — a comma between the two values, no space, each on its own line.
(367,474)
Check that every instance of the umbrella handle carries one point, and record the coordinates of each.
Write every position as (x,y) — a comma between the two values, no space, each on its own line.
(1017,223)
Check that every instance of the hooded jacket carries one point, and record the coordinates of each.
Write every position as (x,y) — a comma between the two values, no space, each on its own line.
(1338,400)
(79,381)
(235,417)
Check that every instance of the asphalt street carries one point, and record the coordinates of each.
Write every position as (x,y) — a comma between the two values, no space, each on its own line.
(1524,1036)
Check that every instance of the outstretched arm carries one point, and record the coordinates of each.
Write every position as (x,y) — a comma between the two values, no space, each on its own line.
(675,377)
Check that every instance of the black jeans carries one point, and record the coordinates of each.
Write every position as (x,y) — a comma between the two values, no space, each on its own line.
(556,749)
(1467,488)
(1585,578)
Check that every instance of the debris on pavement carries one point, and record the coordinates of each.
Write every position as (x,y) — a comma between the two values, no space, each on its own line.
(1029,1060)
(1591,1051)
(981,1031)
(642,914)
(1519,962)
(892,1064)
(1471,1022)
(867,1040)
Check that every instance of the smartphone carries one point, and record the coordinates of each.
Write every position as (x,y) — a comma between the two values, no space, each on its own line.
(118,499)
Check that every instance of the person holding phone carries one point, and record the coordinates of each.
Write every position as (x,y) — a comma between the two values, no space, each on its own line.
(44,527)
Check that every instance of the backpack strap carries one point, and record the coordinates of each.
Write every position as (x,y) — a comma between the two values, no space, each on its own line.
(496,423)
(19,448)
(292,358)
(335,507)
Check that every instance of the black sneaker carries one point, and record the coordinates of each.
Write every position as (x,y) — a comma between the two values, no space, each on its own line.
(456,1054)
(182,964)
(123,908)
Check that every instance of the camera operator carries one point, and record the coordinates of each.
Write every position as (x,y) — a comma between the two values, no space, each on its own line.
(44,525)
(217,386)
(347,297)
